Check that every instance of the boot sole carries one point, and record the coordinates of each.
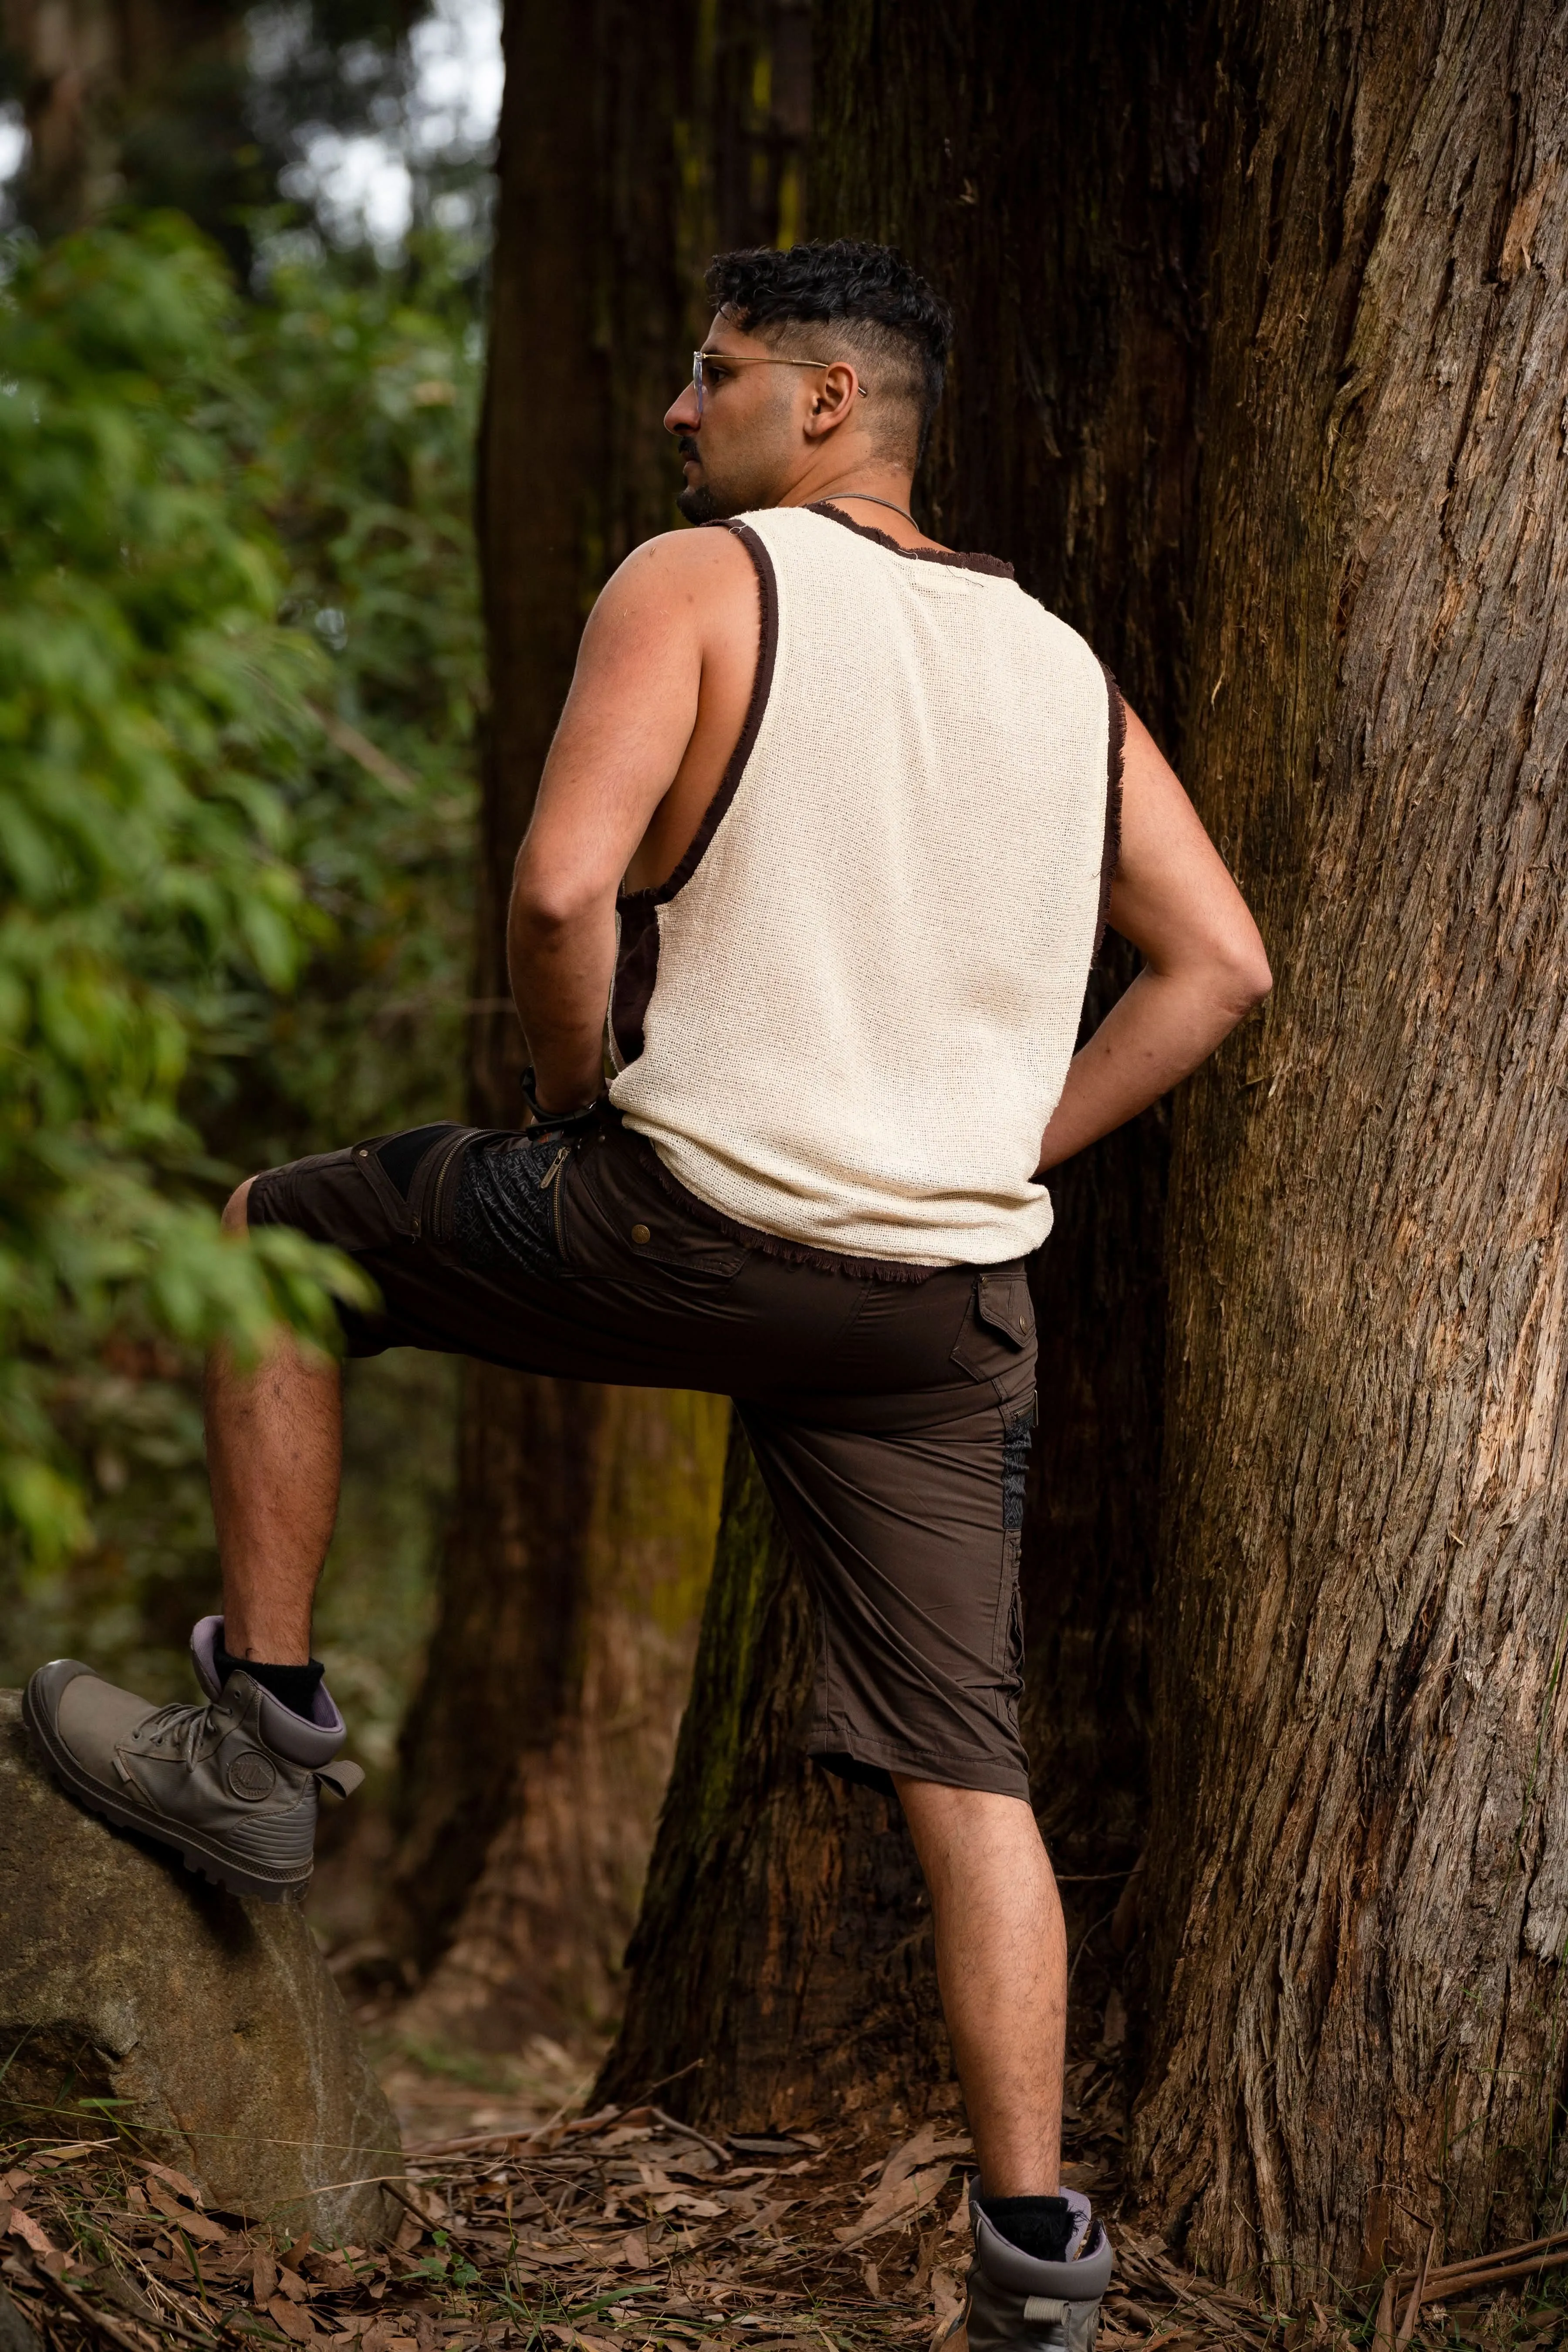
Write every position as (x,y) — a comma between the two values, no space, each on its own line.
(196,1855)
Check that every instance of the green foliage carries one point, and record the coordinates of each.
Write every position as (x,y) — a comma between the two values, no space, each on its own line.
(149,702)
(282,534)
(361,389)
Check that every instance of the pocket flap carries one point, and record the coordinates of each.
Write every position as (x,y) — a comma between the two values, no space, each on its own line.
(1003,1305)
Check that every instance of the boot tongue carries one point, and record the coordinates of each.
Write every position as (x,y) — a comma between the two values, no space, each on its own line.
(1078,2205)
(205,1635)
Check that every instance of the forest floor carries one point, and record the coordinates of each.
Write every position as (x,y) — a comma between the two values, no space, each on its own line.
(614,2232)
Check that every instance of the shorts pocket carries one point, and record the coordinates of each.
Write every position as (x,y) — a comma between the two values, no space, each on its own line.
(433,1193)
(503,1203)
(998,1323)
(343,1197)
(618,1219)
(413,1176)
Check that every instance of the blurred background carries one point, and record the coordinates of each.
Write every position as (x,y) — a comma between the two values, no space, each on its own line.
(244,296)
(246,251)
(332,360)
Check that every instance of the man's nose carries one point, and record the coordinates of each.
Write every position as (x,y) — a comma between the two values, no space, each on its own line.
(681,415)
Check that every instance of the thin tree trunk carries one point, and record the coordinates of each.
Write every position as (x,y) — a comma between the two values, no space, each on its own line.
(536,1754)
(1044,172)
(598,1610)
(133,100)
(1359,1873)
(744,1971)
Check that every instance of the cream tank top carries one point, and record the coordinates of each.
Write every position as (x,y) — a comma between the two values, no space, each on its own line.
(846,1019)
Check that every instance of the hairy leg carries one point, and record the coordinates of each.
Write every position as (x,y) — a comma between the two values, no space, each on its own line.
(1001,1962)
(274,1455)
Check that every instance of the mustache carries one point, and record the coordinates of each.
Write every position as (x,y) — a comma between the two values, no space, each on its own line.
(687,447)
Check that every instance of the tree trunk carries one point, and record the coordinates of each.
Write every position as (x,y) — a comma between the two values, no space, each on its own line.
(141,104)
(782,1954)
(535,1756)
(1358,1876)
(1044,169)
(608,1501)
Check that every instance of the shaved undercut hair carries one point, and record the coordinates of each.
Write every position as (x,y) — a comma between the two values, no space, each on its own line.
(879,311)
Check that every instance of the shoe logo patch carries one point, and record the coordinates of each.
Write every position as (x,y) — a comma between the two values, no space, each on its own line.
(252,1776)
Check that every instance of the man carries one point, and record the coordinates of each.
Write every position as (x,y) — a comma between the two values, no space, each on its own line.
(831,824)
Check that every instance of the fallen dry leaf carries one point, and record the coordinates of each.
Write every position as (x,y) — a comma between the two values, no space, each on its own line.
(22,2225)
(410,2230)
(292,2319)
(947,2306)
(383,2336)
(922,2149)
(894,2201)
(175,2181)
(186,2217)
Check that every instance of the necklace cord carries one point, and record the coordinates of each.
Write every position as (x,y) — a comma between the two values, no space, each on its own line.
(867,499)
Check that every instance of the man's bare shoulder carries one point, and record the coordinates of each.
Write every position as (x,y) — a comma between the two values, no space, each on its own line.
(701,574)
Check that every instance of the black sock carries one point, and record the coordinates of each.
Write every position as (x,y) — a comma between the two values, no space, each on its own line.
(1040,2226)
(294,1686)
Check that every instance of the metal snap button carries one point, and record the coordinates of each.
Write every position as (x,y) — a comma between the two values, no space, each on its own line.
(641,1233)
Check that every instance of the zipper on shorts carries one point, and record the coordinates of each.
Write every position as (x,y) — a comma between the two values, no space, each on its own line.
(454,1152)
(431,1190)
(550,1177)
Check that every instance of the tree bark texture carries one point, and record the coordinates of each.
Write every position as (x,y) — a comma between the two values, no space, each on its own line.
(535,1756)
(1358,1869)
(1043,167)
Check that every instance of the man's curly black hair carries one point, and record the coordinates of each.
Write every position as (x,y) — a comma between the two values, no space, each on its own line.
(881,308)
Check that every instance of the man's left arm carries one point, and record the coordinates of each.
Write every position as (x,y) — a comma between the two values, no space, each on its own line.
(1204,964)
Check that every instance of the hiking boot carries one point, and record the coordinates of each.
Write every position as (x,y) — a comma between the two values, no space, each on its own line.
(1018,2303)
(232,1785)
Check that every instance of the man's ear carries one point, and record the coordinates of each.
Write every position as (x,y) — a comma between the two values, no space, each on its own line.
(834,399)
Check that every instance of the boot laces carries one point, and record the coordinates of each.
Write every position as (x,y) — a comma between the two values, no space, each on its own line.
(193,1723)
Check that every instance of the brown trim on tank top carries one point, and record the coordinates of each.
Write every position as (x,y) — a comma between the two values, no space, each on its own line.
(992,565)
(637,948)
(1115,752)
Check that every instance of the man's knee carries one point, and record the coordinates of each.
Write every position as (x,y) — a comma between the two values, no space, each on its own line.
(236,1213)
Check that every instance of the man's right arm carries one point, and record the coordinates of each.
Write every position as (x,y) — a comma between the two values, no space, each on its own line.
(1204,962)
(623,733)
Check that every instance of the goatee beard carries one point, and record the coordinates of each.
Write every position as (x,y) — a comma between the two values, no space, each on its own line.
(698,504)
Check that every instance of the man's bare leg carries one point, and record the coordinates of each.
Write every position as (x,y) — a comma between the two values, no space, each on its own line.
(274,1457)
(232,1783)
(1001,1962)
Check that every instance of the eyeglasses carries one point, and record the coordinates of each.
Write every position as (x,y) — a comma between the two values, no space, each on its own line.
(703,360)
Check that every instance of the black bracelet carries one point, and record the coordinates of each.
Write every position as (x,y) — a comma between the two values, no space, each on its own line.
(559,1121)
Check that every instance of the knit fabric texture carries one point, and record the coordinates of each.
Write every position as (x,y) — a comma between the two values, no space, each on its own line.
(868,993)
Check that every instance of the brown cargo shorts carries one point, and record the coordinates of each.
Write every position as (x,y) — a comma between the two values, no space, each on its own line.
(890,1417)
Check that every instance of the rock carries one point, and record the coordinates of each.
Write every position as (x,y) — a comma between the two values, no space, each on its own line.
(17,2334)
(133,1991)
